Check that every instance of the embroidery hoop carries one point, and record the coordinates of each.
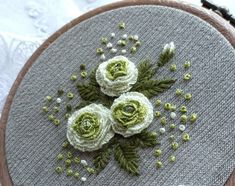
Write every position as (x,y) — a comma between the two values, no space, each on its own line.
(212,18)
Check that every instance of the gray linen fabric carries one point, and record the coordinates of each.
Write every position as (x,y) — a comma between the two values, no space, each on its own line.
(32,142)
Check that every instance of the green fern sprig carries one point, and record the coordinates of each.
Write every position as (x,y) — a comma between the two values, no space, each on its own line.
(93,78)
(88,92)
(144,140)
(101,160)
(153,87)
(146,70)
(127,157)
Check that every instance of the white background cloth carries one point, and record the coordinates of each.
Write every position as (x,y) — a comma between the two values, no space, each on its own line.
(25,24)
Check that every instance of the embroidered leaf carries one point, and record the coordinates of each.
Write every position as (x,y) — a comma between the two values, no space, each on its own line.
(101,160)
(153,87)
(88,92)
(165,57)
(146,70)
(91,93)
(127,158)
(93,77)
(144,139)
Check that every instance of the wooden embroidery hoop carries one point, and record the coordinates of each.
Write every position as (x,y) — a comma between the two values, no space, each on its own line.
(212,18)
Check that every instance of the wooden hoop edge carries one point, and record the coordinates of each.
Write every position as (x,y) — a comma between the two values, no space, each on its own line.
(212,18)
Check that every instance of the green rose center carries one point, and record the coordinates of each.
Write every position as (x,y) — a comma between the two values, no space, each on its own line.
(116,69)
(129,113)
(87,125)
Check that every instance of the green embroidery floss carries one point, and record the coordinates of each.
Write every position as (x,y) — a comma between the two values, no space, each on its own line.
(65,144)
(193,117)
(172,126)
(158,114)
(59,169)
(179,92)
(60,156)
(69,172)
(99,51)
(173,68)
(83,74)
(69,108)
(51,117)
(133,50)
(82,67)
(122,25)
(73,78)
(158,152)
(56,109)
(76,174)
(122,43)
(183,109)
(45,109)
(49,98)
(67,115)
(56,122)
(174,145)
(159,164)
(187,64)
(137,44)
(69,155)
(90,170)
(158,102)
(60,92)
(172,159)
(183,118)
(188,96)
(131,37)
(153,134)
(77,160)
(172,138)
(185,137)
(167,106)
(104,40)
(68,162)
(70,95)
(163,120)
(173,108)
(187,77)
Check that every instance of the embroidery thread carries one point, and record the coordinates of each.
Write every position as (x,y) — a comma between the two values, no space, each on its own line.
(114,111)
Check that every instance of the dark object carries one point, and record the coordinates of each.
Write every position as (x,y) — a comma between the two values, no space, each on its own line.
(222,11)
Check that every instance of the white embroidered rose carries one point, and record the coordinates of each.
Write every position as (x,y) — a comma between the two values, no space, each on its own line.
(89,128)
(116,76)
(131,113)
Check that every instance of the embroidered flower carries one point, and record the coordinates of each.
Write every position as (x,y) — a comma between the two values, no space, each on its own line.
(116,76)
(170,48)
(89,128)
(131,113)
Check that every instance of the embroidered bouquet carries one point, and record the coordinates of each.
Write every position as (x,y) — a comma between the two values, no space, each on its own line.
(114,109)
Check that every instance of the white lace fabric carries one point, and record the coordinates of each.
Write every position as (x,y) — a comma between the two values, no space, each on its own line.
(24,25)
